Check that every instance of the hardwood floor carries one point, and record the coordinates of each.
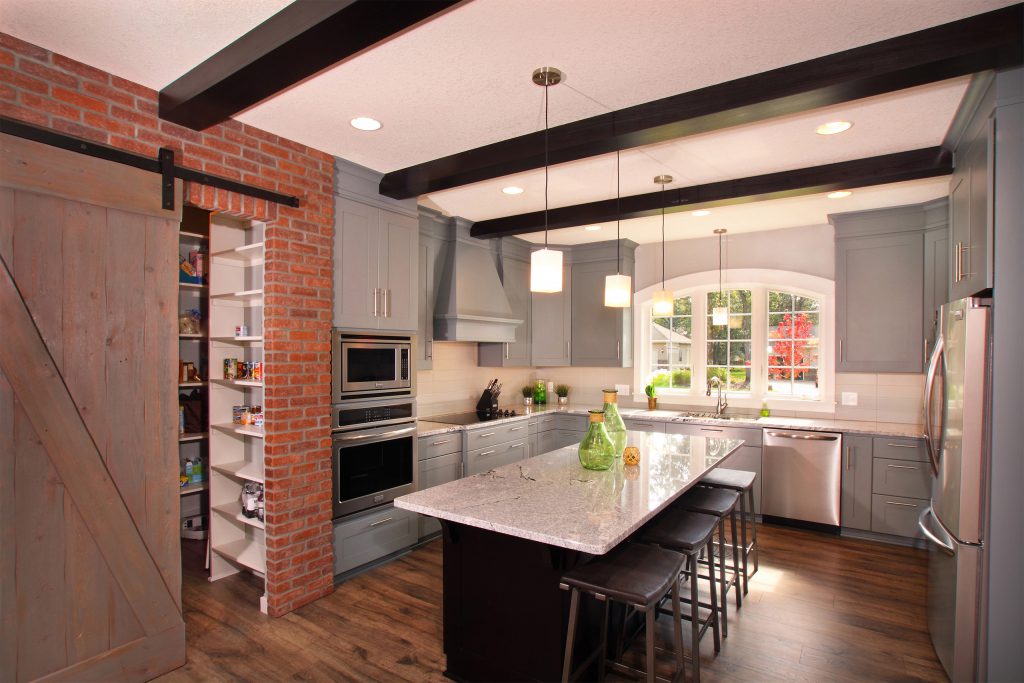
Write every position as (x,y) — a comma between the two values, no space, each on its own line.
(821,608)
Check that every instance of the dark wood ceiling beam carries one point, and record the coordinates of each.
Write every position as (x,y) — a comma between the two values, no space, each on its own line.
(298,42)
(987,41)
(845,175)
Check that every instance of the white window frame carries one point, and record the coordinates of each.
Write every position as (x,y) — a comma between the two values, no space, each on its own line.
(697,285)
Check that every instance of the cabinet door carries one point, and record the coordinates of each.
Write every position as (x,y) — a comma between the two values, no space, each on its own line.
(552,324)
(971,214)
(356,255)
(936,283)
(399,268)
(516,285)
(597,330)
(434,472)
(855,499)
(897,515)
(371,536)
(425,313)
(879,303)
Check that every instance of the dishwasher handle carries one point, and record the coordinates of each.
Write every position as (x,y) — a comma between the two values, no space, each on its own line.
(805,437)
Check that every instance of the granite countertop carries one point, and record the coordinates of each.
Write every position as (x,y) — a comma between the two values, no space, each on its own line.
(894,429)
(552,499)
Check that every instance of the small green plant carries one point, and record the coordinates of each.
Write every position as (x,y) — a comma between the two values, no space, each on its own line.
(527,391)
(651,391)
(562,390)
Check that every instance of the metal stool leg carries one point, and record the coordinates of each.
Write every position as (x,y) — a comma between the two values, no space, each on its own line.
(736,560)
(695,619)
(753,527)
(574,605)
(677,619)
(602,659)
(651,613)
(744,517)
(724,587)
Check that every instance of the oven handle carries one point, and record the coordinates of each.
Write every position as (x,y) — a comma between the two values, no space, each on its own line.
(380,436)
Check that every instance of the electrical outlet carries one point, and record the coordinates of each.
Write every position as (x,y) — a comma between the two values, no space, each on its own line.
(623,389)
(849,398)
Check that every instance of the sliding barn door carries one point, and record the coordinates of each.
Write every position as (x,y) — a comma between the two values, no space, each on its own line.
(90,575)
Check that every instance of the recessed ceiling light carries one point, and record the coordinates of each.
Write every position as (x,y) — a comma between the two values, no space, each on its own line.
(701,212)
(512,189)
(833,127)
(365,123)
(592,228)
(839,194)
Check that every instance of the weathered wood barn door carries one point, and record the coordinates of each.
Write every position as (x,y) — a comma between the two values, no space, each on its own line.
(90,575)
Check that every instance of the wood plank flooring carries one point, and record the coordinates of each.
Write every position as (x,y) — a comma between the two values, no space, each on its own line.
(821,608)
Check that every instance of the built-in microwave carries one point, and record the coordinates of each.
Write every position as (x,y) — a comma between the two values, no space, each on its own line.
(369,365)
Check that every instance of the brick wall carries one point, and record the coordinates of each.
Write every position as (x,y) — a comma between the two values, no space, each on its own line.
(47,89)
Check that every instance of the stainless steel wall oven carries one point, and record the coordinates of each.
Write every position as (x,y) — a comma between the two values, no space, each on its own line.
(371,365)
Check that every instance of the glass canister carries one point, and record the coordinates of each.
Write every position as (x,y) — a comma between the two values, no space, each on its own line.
(540,393)
(613,421)
(596,450)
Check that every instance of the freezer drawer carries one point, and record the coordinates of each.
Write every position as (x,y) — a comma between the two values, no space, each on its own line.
(801,475)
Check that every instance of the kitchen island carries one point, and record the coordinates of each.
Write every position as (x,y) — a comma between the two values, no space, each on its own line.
(511,532)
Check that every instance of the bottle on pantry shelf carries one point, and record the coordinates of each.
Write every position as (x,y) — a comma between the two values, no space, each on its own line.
(188,468)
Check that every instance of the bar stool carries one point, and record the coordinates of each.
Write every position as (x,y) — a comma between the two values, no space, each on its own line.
(689,533)
(742,482)
(721,504)
(637,576)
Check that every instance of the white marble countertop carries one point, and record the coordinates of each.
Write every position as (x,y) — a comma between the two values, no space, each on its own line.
(893,429)
(552,499)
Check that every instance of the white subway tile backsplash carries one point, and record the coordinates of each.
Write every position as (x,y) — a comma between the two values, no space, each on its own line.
(881,397)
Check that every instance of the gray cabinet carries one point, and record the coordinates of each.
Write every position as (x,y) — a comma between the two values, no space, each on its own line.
(515,280)
(434,472)
(428,275)
(879,303)
(601,336)
(551,331)
(636,424)
(970,214)
(364,538)
(376,261)
(855,497)
(747,458)
(936,282)
(490,457)
(896,516)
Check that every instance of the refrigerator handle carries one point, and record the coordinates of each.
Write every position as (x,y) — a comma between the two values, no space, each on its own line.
(945,547)
(938,356)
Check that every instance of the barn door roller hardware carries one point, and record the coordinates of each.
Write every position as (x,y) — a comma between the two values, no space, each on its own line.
(163,164)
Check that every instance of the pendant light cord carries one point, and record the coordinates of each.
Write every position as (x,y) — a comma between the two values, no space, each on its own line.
(663,236)
(719,264)
(546,88)
(618,213)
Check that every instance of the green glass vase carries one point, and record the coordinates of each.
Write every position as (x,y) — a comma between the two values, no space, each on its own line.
(540,393)
(597,452)
(613,421)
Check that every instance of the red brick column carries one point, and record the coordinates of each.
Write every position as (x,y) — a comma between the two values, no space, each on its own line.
(47,89)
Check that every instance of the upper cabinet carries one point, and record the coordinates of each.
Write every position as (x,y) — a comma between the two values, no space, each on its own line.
(552,322)
(886,294)
(513,256)
(376,256)
(432,226)
(601,336)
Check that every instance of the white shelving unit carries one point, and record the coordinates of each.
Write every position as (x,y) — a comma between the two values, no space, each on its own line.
(237,542)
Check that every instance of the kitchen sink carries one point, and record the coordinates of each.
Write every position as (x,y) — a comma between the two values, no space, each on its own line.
(712,416)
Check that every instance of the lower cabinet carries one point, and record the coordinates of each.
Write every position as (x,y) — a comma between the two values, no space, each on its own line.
(489,457)
(895,515)
(747,458)
(855,498)
(638,425)
(363,538)
(886,484)
(434,472)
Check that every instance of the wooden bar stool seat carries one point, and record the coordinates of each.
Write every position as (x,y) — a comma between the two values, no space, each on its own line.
(637,576)
(742,482)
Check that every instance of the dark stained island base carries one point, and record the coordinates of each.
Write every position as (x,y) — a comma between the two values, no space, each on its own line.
(510,533)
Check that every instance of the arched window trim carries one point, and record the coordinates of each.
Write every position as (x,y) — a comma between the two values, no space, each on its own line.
(697,285)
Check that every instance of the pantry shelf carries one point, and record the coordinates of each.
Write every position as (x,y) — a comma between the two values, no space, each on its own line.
(251,297)
(242,341)
(241,469)
(246,552)
(246,255)
(237,382)
(244,430)
(231,511)
(193,488)
(193,436)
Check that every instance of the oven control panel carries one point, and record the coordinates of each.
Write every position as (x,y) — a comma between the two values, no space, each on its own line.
(365,415)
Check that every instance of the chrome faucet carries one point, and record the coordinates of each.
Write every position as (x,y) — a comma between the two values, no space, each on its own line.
(722,404)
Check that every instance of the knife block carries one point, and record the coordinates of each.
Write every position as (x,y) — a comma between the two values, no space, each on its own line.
(487,404)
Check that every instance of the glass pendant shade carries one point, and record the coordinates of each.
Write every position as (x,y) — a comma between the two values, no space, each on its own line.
(617,290)
(720,315)
(662,302)
(546,271)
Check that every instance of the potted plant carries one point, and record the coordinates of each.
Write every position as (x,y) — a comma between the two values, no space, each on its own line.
(652,397)
(527,394)
(563,394)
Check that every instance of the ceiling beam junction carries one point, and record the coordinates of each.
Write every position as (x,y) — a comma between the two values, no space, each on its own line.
(993,40)
(844,175)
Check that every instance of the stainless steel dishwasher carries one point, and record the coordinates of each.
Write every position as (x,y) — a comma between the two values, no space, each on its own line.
(801,474)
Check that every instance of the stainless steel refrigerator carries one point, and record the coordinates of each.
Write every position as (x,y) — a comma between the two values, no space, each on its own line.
(956,418)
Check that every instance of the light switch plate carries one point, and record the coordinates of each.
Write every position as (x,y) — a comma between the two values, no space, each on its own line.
(623,389)
(849,398)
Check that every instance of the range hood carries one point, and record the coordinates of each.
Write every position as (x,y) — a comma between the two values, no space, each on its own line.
(471,305)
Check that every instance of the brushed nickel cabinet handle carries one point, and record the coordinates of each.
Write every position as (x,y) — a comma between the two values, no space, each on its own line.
(376,302)
(438,443)
(515,429)
(383,521)
(517,445)
(848,456)
(901,467)
(840,348)
(487,434)
(902,445)
(905,505)
(708,429)
(487,453)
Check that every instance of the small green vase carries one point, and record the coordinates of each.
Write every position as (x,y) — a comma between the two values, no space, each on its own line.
(597,452)
(540,393)
(613,421)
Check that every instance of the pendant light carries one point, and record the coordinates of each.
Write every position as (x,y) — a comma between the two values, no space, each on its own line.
(720,314)
(663,297)
(546,264)
(618,290)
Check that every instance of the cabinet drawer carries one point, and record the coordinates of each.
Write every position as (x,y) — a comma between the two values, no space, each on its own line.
(751,437)
(896,515)
(434,472)
(638,425)
(556,438)
(372,536)
(543,423)
(573,423)
(489,436)
(484,459)
(900,449)
(439,444)
(906,478)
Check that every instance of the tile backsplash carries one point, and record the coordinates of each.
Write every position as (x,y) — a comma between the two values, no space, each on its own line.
(882,397)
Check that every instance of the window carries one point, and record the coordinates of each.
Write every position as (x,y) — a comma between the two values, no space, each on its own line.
(793,346)
(728,346)
(773,347)
(671,347)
